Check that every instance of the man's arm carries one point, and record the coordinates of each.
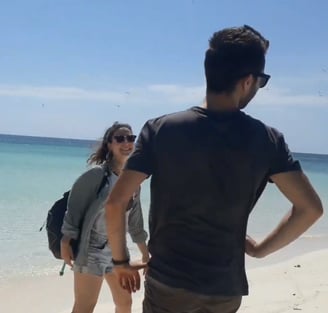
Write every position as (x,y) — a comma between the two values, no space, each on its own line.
(307,208)
(116,204)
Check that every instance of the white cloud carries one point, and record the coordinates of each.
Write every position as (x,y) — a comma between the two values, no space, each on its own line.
(64,93)
(92,110)
(152,94)
(280,96)
(160,94)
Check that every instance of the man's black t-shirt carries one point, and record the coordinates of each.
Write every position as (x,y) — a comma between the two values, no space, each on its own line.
(208,170)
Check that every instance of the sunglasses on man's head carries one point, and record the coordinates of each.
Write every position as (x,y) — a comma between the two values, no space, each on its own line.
(127,138)
(263,79)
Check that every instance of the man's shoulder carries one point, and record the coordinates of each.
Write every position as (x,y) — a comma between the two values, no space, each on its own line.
(258,125)
(173,116)
(178,117)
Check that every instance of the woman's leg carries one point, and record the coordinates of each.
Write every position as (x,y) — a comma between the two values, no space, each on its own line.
(86,292)
(121,298)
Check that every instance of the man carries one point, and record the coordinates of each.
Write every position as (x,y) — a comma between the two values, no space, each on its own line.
(208,167)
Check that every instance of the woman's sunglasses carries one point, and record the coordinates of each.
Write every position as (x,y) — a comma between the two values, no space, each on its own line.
(127,138)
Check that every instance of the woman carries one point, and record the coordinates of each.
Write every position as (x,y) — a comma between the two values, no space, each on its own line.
(85,220)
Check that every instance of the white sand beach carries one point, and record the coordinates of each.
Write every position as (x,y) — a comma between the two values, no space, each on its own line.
(298,284)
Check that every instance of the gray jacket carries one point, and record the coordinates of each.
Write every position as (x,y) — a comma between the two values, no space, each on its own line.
(83,206)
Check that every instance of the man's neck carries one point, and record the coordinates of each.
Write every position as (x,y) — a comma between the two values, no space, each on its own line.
(221,102)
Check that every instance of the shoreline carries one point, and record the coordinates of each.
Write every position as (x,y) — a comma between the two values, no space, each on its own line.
(300,282)
(305,244)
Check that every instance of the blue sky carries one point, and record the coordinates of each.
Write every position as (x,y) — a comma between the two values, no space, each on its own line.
(69,68)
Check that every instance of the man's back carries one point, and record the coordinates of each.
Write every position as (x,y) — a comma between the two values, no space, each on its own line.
(208,170)
(209,167)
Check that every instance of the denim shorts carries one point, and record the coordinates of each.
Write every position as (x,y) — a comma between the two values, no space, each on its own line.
(99,259)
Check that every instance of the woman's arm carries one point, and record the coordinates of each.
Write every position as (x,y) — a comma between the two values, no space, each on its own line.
(136,227)
(83,191)
(144,251)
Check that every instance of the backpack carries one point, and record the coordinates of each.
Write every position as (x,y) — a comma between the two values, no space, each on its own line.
(55,219)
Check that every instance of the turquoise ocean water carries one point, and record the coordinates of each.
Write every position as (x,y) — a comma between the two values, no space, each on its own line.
(34,172)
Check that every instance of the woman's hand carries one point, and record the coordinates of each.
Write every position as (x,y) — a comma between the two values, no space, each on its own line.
(145,257)
(66,251)
(145,260)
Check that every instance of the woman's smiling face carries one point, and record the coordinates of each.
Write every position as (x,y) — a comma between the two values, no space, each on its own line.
(122,143)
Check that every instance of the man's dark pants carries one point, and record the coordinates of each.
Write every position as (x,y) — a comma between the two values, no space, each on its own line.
(160,298)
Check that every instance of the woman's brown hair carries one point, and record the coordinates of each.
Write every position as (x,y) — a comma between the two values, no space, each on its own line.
(102,153)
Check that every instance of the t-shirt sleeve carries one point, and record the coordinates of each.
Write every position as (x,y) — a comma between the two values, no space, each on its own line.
(142,158)
(282,160)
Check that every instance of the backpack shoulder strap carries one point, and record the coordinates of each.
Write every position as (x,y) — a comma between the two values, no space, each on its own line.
(104,180)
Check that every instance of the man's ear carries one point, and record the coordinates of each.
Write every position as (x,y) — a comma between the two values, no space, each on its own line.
(247,82)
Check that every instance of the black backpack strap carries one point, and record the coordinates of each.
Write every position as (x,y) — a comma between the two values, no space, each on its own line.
(104,180)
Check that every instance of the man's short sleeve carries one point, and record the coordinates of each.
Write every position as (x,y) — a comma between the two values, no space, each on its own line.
(141,159)
(282,160)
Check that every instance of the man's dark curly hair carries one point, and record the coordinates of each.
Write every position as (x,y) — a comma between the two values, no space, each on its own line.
(232,54)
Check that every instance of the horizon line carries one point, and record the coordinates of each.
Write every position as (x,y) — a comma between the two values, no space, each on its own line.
(96,140)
